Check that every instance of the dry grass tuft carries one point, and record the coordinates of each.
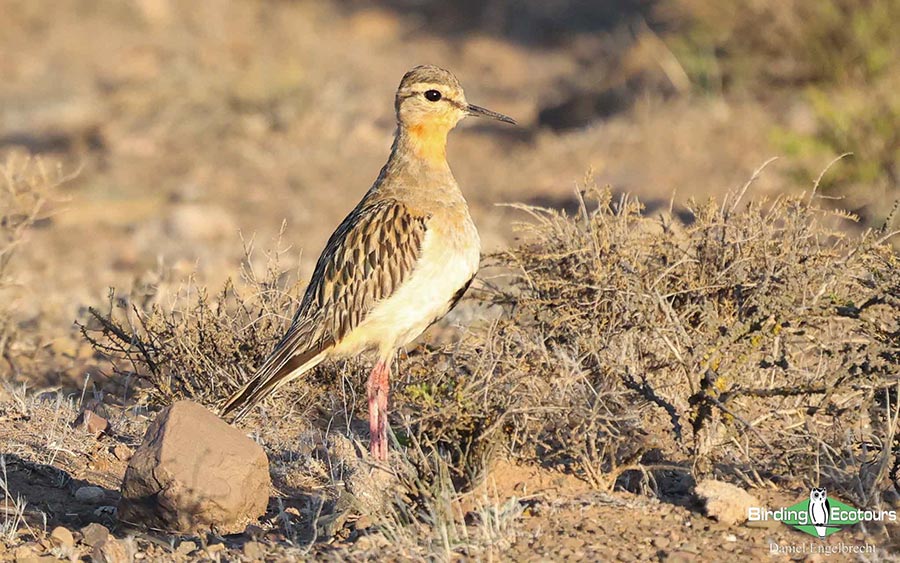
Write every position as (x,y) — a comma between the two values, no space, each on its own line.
(427,518)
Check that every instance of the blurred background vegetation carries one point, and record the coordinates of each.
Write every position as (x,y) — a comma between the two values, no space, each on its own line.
(839,56)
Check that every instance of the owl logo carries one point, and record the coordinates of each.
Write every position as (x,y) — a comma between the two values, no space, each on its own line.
(819,509)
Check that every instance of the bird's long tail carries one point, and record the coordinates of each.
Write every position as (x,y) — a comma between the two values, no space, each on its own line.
(286,363)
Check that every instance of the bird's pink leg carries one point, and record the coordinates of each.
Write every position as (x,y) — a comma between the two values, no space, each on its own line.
(378,408)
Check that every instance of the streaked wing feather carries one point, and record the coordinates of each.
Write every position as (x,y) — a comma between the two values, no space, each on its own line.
(367,258)
(370,254)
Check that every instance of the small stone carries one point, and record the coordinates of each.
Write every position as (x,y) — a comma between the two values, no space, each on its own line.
(725,502)
(110,551)
(195,473)
(730,538)
(186,547)
(92,422)
(253,550)
(94,534)
(62,537)
(121,452)
(89,494)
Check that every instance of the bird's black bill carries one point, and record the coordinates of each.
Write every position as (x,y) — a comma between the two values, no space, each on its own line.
(478,111)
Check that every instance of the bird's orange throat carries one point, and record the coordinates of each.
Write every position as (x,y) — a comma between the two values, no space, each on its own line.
(429,141)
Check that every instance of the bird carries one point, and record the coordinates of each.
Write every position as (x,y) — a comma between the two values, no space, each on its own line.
(400,260)
(819,510)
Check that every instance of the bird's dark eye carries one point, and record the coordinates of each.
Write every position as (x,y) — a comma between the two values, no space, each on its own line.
(432,95)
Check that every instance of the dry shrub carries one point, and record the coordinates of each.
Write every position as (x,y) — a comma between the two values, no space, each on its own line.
(193,345)
(754,341)
(26,187)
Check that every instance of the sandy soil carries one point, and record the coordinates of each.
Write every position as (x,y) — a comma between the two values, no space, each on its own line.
(544,514)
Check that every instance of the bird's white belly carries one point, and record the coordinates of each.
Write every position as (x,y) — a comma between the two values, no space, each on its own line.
(447,262)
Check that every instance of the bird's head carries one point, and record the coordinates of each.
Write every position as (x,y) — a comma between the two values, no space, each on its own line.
(431,101)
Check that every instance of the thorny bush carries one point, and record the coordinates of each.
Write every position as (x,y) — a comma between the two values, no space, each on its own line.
(750,340)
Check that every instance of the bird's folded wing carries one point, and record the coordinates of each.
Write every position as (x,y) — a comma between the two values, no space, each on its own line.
(367,258)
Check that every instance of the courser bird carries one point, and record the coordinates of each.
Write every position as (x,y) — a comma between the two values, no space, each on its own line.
(397,263)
